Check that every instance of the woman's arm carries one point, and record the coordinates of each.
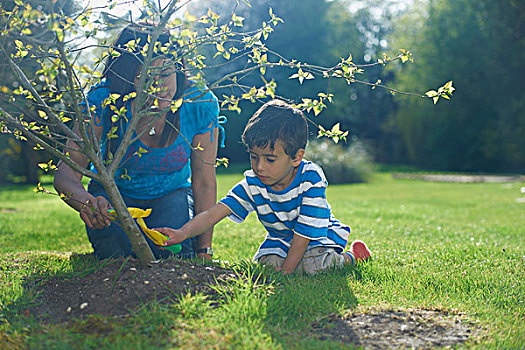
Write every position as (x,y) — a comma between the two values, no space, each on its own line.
(203,180)
(69,182)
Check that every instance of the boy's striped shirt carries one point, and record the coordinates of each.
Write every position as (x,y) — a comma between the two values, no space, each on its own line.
(301,208)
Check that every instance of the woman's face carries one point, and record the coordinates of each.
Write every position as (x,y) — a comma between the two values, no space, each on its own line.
(165,82)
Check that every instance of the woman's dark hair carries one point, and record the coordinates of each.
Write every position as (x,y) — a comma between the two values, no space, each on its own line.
(120,71)
(277,120)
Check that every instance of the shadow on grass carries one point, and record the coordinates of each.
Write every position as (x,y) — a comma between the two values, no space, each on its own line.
(264,304)
(302,301)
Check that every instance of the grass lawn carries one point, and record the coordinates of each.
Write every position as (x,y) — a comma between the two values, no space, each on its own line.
(449,246)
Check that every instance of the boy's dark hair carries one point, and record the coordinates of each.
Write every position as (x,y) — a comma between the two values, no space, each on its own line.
(277,120)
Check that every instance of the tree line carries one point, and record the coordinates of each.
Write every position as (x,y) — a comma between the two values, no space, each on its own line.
(477,44)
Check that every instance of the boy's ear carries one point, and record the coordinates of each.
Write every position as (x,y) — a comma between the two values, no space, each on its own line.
(298,157)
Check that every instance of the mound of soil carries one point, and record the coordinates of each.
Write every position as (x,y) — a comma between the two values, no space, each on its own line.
(397,329)
(120,287)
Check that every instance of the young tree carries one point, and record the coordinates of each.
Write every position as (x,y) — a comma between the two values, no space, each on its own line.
(64,121)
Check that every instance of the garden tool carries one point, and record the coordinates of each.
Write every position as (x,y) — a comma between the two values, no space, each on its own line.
(157,237)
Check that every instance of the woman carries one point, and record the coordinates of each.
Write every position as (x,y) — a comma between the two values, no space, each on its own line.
(159,178)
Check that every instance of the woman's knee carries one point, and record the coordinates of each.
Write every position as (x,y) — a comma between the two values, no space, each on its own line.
(109,242)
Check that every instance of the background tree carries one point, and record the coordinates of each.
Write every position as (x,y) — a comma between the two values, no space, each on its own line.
(320,33)
(18,160)
(480,45)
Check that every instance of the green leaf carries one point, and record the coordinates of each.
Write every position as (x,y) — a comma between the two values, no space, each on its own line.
(114,97)
(237,20)
(141,151)
(190,18)
(129,96)
(176,105)
(222,161)
(60,35)
(448,86)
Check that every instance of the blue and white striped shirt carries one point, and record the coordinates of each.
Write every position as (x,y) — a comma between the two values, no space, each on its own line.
(301,209)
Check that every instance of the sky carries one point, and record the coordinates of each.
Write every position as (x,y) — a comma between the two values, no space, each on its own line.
(122,7)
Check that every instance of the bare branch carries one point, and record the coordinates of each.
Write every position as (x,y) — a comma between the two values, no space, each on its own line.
(14,122)
(27,85)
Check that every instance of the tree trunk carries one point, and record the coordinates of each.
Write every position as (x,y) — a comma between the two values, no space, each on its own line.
(138,243)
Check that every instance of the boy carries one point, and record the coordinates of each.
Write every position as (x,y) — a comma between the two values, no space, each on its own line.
(288,194)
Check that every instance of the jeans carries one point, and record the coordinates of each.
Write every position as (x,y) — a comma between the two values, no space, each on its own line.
(172,210)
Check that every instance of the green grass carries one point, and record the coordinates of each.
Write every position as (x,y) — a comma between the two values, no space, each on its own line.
(436,245)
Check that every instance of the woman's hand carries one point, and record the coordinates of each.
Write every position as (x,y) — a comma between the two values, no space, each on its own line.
(94,212)
(175,236)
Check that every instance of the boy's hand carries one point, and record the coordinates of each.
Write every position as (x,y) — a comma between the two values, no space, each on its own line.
(175,236)
(295,254)
(283,271)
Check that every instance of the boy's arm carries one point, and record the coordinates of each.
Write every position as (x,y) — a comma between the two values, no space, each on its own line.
(201,223)
(295,253)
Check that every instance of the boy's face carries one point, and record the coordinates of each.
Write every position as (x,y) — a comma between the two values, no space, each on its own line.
(274,167)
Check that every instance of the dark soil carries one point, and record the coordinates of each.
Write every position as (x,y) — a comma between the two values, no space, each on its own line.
(120,287)
(397,329)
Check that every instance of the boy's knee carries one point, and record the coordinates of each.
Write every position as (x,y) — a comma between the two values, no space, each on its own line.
(320,259)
